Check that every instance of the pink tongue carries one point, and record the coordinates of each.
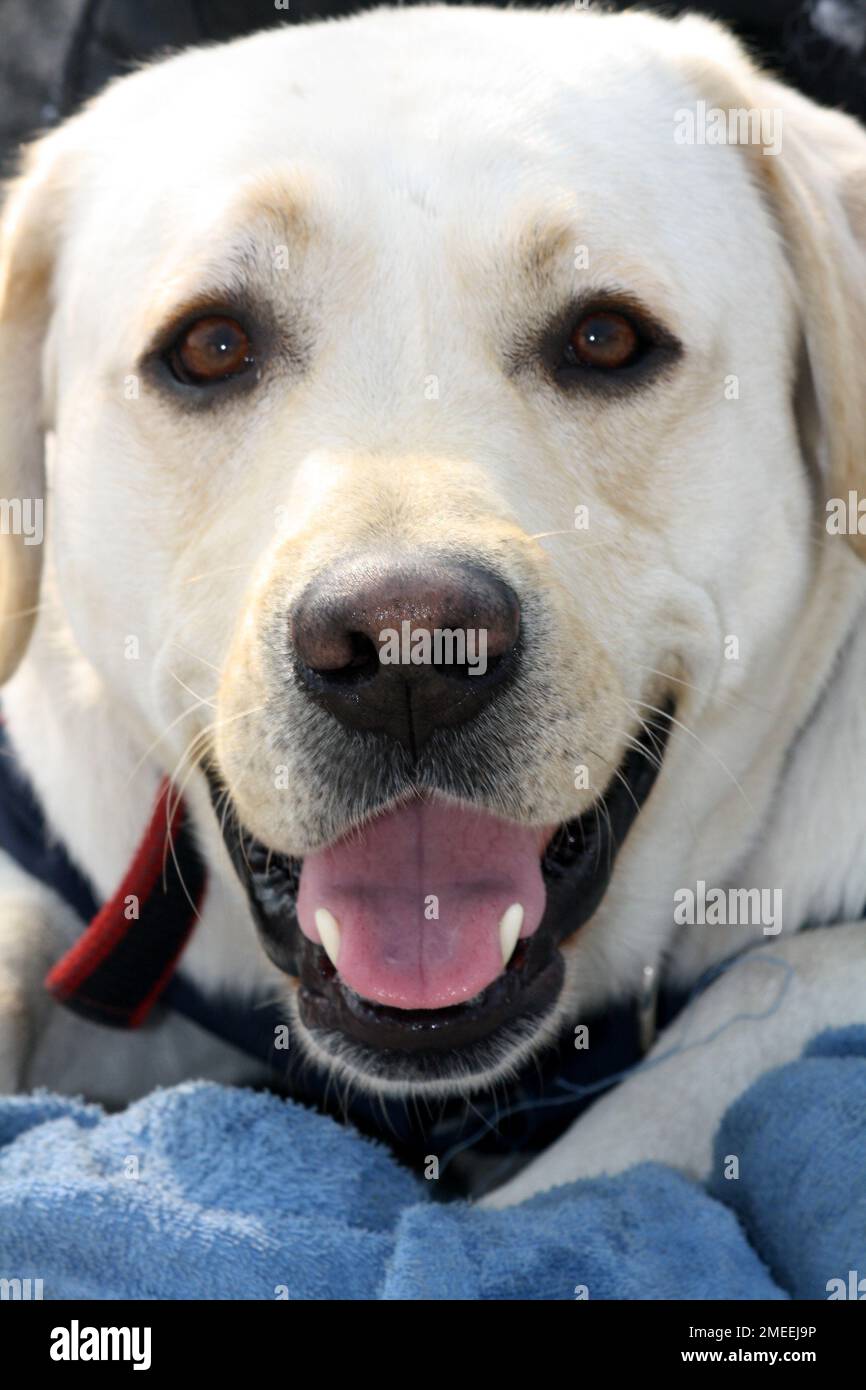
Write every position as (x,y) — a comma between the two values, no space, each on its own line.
(419,894)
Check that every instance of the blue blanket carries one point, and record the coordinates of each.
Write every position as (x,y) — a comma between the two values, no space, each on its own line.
(208,1192)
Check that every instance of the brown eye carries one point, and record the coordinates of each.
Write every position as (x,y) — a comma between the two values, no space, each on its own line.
(213,348)
(605,340)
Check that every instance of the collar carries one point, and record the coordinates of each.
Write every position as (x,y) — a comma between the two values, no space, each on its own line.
(126,965)
(121,964)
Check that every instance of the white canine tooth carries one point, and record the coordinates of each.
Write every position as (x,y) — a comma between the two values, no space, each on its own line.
(509,931)
(329,933)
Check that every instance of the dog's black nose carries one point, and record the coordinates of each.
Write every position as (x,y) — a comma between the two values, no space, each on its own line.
(404,649)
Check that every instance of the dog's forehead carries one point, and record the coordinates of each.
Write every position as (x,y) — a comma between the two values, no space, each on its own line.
(412,98)
(478,122)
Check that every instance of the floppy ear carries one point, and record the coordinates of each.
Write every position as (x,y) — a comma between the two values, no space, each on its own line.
(816,188)
(817,184)
(28,237)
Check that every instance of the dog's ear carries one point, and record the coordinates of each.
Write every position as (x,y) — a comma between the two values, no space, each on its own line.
(817,186)
(29,235)
(811,167)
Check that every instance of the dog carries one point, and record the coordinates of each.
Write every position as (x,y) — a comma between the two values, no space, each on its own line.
(450,425)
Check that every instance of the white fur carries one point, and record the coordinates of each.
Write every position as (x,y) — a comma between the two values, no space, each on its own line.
(407,166)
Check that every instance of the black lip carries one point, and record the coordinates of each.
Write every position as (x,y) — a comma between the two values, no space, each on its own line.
(577,869)
(525,988)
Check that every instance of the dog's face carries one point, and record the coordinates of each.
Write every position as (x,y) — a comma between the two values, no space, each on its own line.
(426,324)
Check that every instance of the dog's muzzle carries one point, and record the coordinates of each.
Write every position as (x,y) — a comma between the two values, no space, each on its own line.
(430,984)
(429,937)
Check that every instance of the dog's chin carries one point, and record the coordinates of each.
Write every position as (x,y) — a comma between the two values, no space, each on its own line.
(385,1024)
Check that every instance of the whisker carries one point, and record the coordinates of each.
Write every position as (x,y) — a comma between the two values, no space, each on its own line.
(616,773)
(588,545)
(635,744)
(201,737)
(654,758)
(708,694)
(170,841)
(691,734)
(222,569)
(25,612)
(195,656)
(191,709)
(189,690)
(225,796)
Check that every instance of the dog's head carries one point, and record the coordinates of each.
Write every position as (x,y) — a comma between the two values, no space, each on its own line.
(440,417)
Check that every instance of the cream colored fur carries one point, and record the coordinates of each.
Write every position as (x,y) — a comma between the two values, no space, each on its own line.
(409,191)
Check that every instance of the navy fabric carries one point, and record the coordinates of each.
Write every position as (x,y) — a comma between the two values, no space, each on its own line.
(25,837)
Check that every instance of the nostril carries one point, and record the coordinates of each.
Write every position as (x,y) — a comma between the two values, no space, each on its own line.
(362,664)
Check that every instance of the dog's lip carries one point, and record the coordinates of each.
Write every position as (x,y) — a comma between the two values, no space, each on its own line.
(577,863)
(327,1004)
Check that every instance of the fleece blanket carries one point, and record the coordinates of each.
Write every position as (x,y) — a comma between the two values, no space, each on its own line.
(208,1192)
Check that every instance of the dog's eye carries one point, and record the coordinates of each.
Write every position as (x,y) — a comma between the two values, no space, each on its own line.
(611,347)
(212,349)
(604,340)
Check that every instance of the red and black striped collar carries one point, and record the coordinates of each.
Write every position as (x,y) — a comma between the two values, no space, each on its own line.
(121,964)
(125,963)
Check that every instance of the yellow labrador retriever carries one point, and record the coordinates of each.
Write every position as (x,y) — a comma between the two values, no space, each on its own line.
(449,424)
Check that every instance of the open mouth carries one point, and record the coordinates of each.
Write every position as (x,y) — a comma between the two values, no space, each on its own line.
(436,926)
